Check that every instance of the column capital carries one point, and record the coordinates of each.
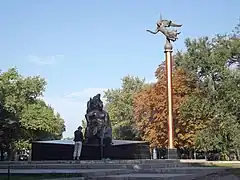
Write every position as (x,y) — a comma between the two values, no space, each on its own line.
(168,46)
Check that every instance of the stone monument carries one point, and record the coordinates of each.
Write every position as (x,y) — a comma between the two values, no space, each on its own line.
(98,142)
(171,36)
(98,130)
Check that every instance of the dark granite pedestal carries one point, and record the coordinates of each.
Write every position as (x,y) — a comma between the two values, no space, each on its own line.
(63,150)
(172,153)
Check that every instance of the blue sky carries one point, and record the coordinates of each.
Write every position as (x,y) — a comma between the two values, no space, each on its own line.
(83,47)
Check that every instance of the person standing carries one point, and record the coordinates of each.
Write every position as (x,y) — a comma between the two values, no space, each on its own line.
(78,139)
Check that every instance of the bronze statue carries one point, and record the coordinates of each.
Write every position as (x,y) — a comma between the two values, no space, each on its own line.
(163,25)
(98,130)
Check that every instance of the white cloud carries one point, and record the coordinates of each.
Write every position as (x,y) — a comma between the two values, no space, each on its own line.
(88,92)
(72,107)
(46,60)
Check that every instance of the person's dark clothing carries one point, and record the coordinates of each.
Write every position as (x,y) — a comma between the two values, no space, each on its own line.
(78,136)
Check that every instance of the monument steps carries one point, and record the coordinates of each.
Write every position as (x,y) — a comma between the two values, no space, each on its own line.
(146,177)
(86,173)
(118,169)
(135,161)
(94,166)
(121,174)
(183,170)
(164,173)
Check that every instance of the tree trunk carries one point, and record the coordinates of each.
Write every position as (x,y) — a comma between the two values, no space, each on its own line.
(30,155)
(237,154)
(2,154)
(194,154)
(9,154)
(190,154)
(205,155)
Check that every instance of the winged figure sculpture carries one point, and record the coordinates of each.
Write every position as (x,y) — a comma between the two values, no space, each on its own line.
(163,25)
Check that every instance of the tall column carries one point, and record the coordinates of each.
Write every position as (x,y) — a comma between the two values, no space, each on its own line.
(170,35)
(172,152)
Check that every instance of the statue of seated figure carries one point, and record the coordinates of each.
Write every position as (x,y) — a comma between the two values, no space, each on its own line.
(98,130)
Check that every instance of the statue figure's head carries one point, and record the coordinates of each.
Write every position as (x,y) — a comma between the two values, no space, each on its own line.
(98,96)
(95,103)
(98,104)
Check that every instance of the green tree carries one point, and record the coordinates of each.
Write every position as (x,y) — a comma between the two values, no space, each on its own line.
(120,107)
(23,116)
(217,101)
(40,122)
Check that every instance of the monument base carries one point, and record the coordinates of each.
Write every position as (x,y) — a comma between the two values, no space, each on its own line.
(63,150)
(172,153)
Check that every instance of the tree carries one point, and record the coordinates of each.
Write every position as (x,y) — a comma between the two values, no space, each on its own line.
(9,130)
(24,117)
(120,107)
(40,122)
(217,101)
(150,108)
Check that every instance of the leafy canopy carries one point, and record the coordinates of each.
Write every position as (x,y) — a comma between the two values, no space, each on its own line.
(214,64)
(120,107)
(23,116)
(150,110)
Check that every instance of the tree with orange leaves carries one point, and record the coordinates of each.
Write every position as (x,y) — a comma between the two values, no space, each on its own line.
(150,110)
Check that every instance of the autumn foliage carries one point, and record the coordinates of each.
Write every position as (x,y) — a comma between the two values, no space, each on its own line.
(150,110)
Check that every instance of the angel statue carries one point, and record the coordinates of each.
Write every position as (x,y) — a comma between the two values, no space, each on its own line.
(163,25)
